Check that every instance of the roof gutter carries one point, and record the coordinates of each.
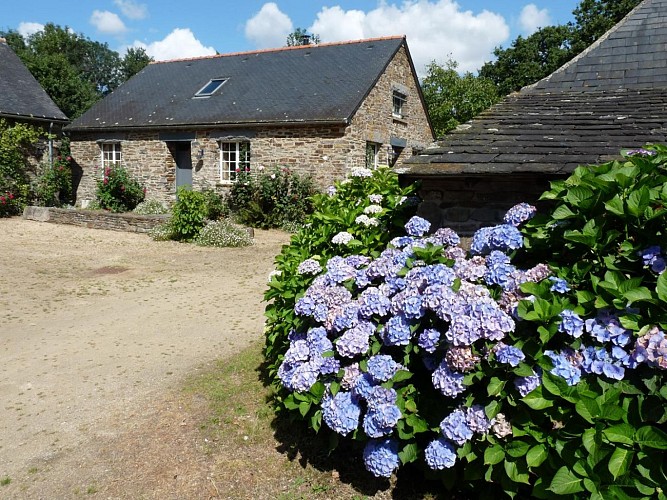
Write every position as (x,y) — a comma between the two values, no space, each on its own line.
(208,126)
(16,116)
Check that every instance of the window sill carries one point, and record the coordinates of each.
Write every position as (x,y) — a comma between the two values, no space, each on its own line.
(399,119)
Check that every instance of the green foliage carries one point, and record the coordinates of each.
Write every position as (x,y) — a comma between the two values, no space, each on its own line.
(188,215)
(333,213)
(593,18)
(118,191)
(16,143)
(74,70)
(215,205)
(271,199)
(54,186)
(296,38)
(222,233)
(529,59)
(452,99)
(151,207)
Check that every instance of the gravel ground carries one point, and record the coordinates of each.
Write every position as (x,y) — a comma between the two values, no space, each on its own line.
(98,328)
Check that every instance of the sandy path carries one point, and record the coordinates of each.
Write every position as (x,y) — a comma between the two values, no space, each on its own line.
(95,323)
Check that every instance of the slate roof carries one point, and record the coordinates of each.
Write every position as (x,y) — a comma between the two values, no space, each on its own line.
(611,96)
(21,96)
(320,84)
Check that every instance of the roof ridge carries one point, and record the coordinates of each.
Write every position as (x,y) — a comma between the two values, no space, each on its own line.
(283,49)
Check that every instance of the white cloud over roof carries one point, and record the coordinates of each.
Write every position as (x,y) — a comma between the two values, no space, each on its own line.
(132,9)
(269,27)
(26,29)
(532,18)
(107,22)
(180,43)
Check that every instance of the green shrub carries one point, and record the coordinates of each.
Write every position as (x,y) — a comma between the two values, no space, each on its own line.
(151,207)
(215,205)
(491,370)
(16,143)
(54,186)
(189,214)
(270,199)
(222,233)
(118,191)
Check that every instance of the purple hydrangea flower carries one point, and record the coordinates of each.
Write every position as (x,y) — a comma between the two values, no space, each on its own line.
(448,382)
(445,237)
(341,412)
(599,362)
(528,384)
(440,454)
(338,270)
(373,302)
(508,354)
(355,341)
(299,376)
(606,327)
(396,331)
(331,190)
(364,386)
(477,420)
(571,323)
(428,339)
(519,214)
(499,271)
(564,368)
(503,237)
(381,457)
(317,340)
(640,152)
(652,258)
(455,427)
(309,266)
(559,285)
(382,367)
(417,226)
(651,349)
(383,414)
(408,304)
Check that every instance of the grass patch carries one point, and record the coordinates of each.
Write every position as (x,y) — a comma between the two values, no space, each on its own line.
(5,481)
(260,455)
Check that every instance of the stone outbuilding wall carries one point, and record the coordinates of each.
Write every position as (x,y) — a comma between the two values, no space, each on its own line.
(95,219)
(328,153)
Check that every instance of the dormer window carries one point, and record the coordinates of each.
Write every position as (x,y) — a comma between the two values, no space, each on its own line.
(399,99)
(211,87)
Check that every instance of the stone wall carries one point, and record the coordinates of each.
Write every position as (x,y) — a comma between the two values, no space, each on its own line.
(325,152)
(96,219)
(466,203)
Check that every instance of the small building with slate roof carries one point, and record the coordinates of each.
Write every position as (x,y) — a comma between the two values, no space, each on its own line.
(613,96)
(317,109)
(22,98)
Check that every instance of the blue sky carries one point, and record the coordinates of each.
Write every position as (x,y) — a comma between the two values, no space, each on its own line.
(465,30)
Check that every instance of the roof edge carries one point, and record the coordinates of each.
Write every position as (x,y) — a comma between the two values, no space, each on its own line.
(17,116)
(283,49)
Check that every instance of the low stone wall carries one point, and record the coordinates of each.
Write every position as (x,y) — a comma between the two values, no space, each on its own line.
(96,219)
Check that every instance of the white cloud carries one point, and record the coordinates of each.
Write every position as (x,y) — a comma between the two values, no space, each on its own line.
(532,18)
(132,9)
(435,29)
(180,43)
(269,27)
(107,22)
(26,29)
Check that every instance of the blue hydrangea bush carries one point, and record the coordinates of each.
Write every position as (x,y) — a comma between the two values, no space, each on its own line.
(532,363)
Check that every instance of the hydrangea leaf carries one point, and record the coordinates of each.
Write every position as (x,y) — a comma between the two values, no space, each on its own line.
(517,472)
(619,462)
(651,437)
(494,454)
(536,455)
(588,409)
(619,433)
(517,448)
(661,286)
(408,453)
(495,386)
(565,482)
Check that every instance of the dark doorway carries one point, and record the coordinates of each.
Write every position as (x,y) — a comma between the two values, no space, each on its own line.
(183,158)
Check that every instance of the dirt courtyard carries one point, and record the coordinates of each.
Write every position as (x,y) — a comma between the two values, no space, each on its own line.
(96,328)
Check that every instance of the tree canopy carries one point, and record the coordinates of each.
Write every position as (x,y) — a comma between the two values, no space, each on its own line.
(452,99)
(301,37)
(74,70)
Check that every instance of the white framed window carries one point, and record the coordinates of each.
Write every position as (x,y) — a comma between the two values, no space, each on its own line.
(234,158)
(398,99)
(372,154)
(211,87)
(111,154)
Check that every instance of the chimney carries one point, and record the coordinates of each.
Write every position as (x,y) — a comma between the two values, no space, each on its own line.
(305,39)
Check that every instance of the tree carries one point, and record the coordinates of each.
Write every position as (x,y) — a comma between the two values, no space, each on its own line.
(529,59)
(452,99)
(595,17)
(301,37)
(134,61)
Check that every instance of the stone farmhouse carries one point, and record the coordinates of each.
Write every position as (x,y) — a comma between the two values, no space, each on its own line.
(23,100)
(611,97)
(318,109)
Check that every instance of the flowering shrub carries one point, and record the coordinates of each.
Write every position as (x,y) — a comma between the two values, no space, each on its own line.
(222,233)
(16,144)
(151,207)
(490,368)
(274,198)
(9,204)
(118,191)
(54,186)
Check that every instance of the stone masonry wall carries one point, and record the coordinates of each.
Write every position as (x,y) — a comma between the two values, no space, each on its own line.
(467,203)
(96,219)
(328,153)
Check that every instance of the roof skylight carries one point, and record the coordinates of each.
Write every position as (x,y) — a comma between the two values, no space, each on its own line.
(211,87)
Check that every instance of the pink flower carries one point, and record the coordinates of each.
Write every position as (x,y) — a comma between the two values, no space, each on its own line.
(69,158)
(2,200)
(11,196)
(122,188)
(106,181)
